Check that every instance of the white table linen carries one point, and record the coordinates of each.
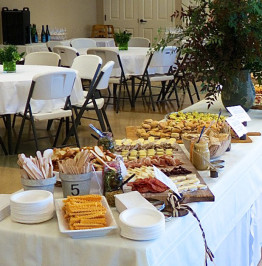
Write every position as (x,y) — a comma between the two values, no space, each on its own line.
(100,42)
(30,48)
(232,224)
(104,42)
(134,61)
(14,89)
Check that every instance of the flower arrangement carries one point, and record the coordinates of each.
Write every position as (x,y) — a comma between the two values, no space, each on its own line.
(8,57)
(9,53)
(122,38)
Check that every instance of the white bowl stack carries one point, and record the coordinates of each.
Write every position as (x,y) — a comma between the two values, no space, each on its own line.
(32,206)
(141,223)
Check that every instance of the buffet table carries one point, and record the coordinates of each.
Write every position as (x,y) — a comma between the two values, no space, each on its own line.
(232,224)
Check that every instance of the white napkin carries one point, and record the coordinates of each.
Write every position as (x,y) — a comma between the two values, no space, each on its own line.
(131,199)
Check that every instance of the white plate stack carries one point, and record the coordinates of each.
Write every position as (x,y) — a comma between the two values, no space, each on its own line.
(32,206)
(4,206)
(141,223)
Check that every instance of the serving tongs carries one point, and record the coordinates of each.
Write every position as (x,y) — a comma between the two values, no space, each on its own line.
(99,133)
(126,181)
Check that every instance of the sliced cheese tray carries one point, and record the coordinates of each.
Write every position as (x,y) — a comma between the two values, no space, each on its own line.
(177,166)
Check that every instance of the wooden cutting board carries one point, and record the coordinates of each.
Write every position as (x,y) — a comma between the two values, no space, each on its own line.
(195,196)
(257,107)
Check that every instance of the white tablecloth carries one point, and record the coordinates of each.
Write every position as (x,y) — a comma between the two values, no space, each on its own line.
(30,48)
(14,89)
(100,42)
(232,225)
(134,61)
(104,42)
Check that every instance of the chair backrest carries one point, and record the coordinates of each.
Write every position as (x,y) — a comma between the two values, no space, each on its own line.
(100,31)
(82,43)
(42,58)
(67,54)
(102,80)
(87,66)
(107,54)
(52,85)
(164,58)
(139,42)
(51,44)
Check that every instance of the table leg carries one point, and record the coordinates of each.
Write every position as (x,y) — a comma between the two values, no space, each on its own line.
(9,133)
(133,91)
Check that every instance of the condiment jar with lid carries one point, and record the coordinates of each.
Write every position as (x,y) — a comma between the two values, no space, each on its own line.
(201,155)
(112,181)
(106,141)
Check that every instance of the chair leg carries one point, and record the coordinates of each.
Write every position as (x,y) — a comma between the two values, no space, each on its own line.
(151,96)
(58,131)
(106,120)
(49,124)
(114,92)
(177,98)
(75,131)
(189,92)
(20,135)
(128,92)
(34,132)
(3,146)
(175,86)
(13,123)
(118,98)
(67,125)
(100,119)
(162,91)
(196,90)
(138,90)
(166,90)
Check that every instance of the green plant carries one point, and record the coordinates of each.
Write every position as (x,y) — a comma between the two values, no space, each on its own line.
(9,53)
(122,36)
(222,37)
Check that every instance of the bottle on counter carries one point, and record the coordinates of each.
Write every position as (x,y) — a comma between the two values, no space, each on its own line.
(36,36)
(43,34)
(201,155)
(33,31)
(47,33)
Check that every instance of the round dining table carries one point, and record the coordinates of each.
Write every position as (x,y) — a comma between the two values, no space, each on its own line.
(134,61)
(14,89)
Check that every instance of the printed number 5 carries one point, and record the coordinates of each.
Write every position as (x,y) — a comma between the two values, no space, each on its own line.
(74,190)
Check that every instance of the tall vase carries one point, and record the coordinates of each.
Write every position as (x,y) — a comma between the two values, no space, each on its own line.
(239,90)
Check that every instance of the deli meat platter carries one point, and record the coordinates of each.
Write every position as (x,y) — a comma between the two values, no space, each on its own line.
(201,193)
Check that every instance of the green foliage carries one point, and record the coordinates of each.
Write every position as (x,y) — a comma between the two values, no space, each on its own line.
(122,37)
(9,53)
(223,37)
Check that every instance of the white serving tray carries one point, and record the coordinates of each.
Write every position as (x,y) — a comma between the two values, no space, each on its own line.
(85,233)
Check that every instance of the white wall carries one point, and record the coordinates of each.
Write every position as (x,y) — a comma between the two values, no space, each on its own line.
(77,16)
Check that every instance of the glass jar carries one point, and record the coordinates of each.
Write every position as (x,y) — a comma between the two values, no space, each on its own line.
(123,46)
(112,181)
(9,67)
(201,156)
(107,141)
